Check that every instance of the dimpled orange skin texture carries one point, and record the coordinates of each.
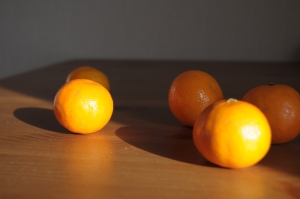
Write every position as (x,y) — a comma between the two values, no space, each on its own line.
(190,93)
(83,106)
(281,105)
(232,134)
(88,72)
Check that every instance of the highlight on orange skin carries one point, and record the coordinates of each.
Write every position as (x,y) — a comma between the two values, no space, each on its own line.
(83,106)
(232,134)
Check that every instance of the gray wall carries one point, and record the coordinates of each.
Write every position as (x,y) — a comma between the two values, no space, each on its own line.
(36,33)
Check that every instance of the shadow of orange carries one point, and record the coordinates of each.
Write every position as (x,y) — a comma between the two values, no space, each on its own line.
(40,117)
(139,89)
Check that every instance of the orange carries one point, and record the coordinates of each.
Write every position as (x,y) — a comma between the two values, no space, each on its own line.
(190,93)
(281,105)
(83,106)
(88,72)
(232,134)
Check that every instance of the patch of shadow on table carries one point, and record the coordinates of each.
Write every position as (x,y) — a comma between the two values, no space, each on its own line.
(176,142)
(173,143)
(137,115)
(39,117)
(283,157)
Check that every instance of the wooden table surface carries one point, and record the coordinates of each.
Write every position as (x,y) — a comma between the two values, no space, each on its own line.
(143,152)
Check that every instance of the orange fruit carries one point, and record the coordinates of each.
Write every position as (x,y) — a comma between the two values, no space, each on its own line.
(83,106)
(88,72)
(232,134)
(281,105)
(190,93)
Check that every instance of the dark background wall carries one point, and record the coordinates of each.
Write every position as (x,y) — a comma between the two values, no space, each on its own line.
(37,33)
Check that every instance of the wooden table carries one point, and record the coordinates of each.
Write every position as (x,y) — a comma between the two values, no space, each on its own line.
(144,152)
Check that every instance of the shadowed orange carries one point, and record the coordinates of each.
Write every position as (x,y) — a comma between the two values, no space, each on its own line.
(281,105)
(88,72)
(190,93)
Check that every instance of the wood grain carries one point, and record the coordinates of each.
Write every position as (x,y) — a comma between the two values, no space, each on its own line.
(144,152)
